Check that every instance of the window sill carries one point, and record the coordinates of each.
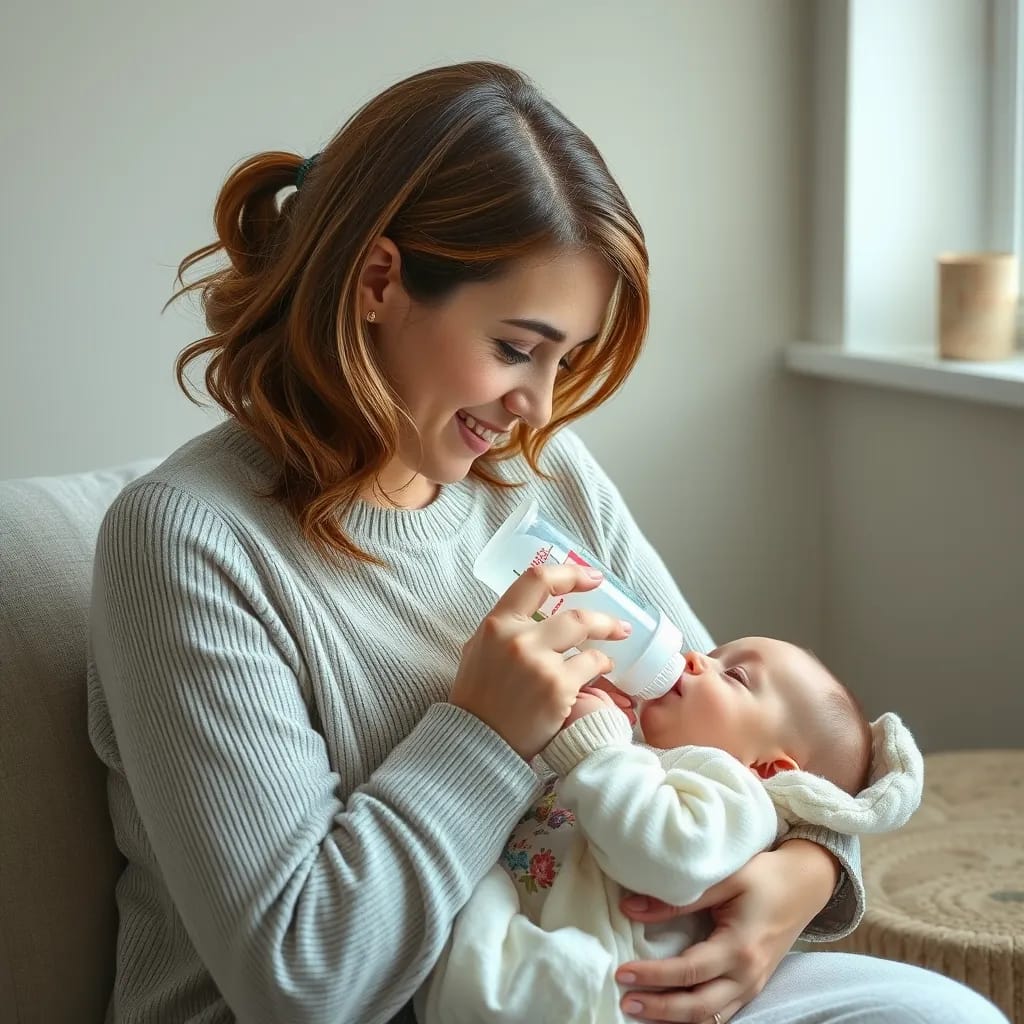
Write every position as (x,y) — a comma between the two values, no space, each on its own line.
(913,369)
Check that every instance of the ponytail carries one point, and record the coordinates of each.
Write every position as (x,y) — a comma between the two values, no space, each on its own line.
(251,227)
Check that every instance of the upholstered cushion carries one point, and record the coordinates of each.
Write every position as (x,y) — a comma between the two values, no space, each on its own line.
(58,862)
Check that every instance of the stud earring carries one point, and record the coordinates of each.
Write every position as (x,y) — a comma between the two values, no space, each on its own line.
(371,317)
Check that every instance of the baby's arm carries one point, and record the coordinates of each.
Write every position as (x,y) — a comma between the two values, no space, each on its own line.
(669,824)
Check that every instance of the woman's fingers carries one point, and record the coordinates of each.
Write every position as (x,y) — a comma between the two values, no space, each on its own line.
(699,964)
(563,629)
(755,924)
(526,595)
(728,1011)
(582,667)
(570,628)
(512,674)
(694,1007)
(651,910)
(715,896)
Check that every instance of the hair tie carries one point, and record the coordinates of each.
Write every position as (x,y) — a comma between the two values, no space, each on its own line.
(304,168)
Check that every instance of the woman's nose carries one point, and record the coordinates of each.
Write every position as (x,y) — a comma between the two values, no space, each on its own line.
(532,404)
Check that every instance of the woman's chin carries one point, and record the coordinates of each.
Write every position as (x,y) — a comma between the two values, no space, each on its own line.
(450,473)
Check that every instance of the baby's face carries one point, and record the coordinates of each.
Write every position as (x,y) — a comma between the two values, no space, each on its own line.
(741,698)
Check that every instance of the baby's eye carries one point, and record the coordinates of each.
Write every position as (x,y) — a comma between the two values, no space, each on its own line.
(737,673)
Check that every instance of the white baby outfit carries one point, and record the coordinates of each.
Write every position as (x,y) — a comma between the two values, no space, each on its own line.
(542,935)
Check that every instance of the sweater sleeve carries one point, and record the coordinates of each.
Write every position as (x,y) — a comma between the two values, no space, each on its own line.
(670,823)
(302,907)
(593,503)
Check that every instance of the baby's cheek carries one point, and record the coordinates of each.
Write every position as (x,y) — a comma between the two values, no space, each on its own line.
(660,727)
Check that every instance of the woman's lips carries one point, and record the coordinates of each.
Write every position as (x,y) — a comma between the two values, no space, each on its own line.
(474,442)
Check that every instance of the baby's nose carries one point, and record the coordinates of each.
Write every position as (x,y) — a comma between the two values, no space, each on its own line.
(694,662)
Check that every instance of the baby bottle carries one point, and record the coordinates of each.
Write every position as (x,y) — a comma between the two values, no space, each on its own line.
(648,661)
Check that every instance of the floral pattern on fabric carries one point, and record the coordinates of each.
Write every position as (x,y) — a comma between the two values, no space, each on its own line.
(532,868)
(546,814)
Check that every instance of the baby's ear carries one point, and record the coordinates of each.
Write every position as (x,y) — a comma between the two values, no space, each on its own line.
(780,763)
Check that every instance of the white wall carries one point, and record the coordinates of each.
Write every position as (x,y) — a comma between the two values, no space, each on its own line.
(924,581)
(923,571)
(128,117)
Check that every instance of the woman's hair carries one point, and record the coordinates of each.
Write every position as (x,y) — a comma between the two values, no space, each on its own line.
(466,169)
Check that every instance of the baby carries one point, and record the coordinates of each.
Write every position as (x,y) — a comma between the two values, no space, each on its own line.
(752,738)
(772,705)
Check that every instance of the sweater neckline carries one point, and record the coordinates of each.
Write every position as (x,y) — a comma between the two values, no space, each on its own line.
(441,520)
(368,524)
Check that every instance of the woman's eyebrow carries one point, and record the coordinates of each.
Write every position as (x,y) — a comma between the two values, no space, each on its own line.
(544,329)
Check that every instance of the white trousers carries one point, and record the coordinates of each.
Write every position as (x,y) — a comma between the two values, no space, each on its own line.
(841,988)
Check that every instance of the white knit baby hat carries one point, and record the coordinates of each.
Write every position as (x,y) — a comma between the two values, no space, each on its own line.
(892,795)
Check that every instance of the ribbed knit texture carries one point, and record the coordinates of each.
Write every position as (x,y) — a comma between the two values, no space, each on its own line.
(302,814)
(599,729)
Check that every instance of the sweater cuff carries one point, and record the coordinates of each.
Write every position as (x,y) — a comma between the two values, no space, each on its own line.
(845,908)
(592,732)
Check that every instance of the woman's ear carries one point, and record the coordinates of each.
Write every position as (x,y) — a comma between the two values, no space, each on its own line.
(381,291)
(772,766)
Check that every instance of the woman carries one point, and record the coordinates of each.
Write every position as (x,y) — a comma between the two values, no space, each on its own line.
(310,766)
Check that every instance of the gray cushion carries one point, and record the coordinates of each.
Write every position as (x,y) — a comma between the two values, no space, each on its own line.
(58,862)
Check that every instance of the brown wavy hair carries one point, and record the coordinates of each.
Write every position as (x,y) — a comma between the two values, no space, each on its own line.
(466,169)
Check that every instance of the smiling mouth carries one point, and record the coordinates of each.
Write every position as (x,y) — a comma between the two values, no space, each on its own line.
(484,433)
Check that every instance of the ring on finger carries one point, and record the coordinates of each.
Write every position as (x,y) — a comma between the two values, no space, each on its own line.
(717,1018)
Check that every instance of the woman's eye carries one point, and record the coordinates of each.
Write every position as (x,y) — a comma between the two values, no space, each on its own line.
(510,354)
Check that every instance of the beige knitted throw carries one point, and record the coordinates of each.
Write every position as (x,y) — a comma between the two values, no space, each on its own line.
(947,891)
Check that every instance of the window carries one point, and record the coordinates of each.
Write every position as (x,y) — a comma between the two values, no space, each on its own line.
(1007,118)
(917,113)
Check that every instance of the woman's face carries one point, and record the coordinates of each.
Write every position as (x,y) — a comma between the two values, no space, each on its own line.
(472,367)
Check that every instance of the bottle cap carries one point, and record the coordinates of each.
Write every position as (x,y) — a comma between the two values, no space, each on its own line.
(659,666)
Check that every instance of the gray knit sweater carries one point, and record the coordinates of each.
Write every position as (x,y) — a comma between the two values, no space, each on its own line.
(302,813)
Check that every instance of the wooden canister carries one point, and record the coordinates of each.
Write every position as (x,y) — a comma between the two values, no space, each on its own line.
(978,295)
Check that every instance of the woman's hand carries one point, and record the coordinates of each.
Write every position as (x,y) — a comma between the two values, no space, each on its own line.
(513,674)
(758,912)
